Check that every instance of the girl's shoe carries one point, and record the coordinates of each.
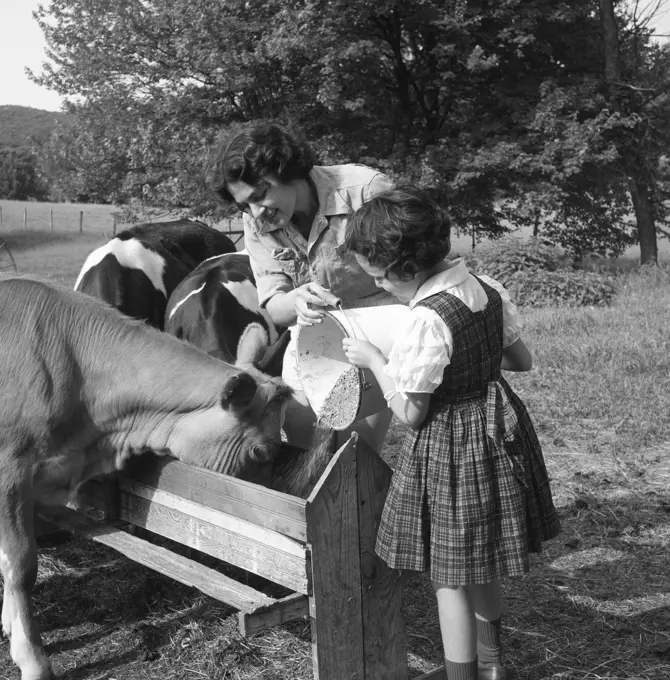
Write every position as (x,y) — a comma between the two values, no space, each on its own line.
(492,671)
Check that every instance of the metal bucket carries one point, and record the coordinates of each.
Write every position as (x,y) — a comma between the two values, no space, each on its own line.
(339,393)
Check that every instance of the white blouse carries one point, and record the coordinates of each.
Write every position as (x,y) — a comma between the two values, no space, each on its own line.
(423,345)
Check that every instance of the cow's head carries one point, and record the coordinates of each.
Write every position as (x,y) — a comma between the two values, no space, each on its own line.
(243,433)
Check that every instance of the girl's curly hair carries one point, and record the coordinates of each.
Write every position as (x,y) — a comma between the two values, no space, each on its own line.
(249,152)
(402,231)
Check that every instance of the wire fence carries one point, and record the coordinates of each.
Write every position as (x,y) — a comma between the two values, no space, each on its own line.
(84,218)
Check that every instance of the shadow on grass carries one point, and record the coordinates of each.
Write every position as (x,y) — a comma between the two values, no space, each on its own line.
(28,240)
(596,603)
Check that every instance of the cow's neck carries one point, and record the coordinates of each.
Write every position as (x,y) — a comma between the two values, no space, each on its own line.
(156,379)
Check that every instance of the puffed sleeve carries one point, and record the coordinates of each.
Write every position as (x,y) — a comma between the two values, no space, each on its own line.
(512,325)
(420,353)
(270,277)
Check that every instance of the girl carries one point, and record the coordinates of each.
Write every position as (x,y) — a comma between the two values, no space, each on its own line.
(470,496)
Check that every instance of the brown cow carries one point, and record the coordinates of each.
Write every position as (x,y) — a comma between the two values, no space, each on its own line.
(83,389)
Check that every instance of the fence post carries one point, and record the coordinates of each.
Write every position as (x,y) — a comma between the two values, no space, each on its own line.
(114,227)
(25,218)
(81,221)
(0,217)
(51,220)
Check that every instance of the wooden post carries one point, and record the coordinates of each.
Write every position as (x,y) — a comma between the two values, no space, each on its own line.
(357,625)
(25,218)
(114,227)
(0,217)
(81,221)
(335,605)
(384,636)
(51,220)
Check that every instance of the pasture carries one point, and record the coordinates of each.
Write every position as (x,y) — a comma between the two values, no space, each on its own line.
(93,219)
(98,221)
(596,603)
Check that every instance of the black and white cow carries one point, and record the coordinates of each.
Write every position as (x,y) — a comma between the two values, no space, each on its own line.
(137,270)
(214,305)
(83,389)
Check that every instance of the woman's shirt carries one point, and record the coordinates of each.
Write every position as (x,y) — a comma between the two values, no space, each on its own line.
(282,259)
(423,345)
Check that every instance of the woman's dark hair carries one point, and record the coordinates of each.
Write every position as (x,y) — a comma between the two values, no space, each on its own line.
(247,153)
(402,231)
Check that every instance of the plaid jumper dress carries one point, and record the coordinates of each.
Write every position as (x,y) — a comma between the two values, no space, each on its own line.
(470,496)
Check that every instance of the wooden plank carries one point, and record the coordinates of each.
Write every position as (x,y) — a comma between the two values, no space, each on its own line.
(439,673)
(291,571)
(384,635)
(332,531)
(230,523)
(160,559)
(288,608)
(264,507)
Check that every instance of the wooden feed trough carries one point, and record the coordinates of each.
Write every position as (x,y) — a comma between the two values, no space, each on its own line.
(321,548)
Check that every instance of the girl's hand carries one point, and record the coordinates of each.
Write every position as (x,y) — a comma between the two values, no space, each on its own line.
(362,353)
(310,301)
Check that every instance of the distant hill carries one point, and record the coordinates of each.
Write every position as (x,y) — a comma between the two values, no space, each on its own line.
(18,124)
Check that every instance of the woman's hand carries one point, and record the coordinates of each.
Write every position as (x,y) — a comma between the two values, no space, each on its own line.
(362,353)
(310,301)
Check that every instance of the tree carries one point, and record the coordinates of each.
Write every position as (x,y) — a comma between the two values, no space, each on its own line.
(153,83)
(640,144)
(19,176)
(500,107)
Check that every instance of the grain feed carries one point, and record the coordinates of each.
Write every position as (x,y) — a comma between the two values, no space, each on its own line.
(341,404)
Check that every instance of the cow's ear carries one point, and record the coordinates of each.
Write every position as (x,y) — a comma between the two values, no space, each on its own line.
(273,358)
(252,345)
(238,392)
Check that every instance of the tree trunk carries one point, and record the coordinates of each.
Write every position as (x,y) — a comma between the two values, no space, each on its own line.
(611,40)
(640,190)
(645,214)
(403,126)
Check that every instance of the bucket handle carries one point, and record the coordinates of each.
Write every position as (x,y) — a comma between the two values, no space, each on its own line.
(364,383)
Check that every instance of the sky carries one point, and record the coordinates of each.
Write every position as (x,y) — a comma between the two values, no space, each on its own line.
(22,45)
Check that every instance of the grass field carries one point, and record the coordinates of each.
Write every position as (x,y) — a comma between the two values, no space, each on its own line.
(595,605)
(96,218)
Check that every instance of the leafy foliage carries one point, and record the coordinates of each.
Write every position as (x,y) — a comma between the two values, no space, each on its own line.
(540,275)
(22,126)
(22,130)
(19,177)
(566,288)
(502,109)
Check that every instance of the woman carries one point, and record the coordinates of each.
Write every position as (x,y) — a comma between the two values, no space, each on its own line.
(295,219)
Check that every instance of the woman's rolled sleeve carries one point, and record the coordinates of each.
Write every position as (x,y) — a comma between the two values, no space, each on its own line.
(270,277)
